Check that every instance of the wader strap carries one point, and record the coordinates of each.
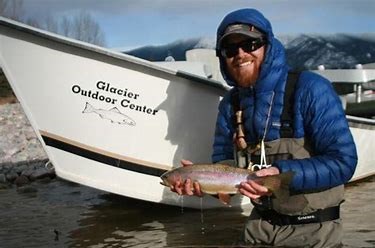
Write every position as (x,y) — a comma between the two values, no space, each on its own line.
(287,129)
(319,216)
(241,156)
(235,101)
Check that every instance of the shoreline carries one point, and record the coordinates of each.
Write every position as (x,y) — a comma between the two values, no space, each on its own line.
(22,157)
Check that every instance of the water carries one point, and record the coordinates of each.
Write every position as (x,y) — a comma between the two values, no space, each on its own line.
(63,214)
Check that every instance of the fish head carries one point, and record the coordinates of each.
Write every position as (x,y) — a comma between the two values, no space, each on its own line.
(164,179)
(170,178)
(129,122)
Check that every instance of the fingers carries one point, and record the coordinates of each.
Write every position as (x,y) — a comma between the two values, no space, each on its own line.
(253,190)
(187,188)
(197,189)
(177,187)
(268,172)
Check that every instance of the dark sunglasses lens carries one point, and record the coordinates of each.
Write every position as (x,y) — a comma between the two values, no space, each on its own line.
(250,46)
(229,52)
(247,46)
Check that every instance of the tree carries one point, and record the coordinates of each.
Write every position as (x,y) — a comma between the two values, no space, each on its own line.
(51,24)
(12,9)
(81,26)
(3,7)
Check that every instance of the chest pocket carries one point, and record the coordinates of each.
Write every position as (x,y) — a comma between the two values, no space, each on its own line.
(283,149)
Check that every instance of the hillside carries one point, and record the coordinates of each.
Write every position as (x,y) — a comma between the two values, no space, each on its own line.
(304,51)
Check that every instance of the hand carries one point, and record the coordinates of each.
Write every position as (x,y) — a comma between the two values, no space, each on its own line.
(253,188)
(184,188)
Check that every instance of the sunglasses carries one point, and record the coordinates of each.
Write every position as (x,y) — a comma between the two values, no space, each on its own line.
(249,45)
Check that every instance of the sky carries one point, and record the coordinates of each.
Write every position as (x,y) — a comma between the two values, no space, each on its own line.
(135,23)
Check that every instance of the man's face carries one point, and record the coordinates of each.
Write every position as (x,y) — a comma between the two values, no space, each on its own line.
(244,67)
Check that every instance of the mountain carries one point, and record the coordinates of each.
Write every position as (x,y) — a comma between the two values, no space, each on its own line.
(332,51)
(176,49)
(304,51)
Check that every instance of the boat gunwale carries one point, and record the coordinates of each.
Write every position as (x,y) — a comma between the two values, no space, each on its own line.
(18,26)
(360,120)
(366,75)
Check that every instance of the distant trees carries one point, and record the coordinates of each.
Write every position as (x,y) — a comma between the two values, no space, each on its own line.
(12,9)
(81,26)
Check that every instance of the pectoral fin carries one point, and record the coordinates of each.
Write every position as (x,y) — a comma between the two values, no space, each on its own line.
(224,198)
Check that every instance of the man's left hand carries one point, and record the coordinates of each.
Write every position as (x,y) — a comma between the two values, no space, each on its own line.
(254,189)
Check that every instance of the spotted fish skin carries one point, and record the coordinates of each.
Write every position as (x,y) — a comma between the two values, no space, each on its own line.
(219,178)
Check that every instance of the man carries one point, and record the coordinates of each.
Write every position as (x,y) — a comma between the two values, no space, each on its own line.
(298,122)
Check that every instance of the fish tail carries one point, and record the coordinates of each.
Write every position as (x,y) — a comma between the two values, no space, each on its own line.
(279,184)
(88,108)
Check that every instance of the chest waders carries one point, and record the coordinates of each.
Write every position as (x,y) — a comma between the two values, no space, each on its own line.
(273,222)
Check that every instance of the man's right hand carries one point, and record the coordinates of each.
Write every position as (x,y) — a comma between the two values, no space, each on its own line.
(185,188)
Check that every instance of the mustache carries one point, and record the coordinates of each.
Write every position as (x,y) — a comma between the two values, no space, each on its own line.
(242,61)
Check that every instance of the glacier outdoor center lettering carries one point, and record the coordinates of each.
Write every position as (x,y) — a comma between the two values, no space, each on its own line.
(101,94)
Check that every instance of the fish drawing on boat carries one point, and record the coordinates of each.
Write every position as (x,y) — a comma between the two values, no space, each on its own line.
(113,114)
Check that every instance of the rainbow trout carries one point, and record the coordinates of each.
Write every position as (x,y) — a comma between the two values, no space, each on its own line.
(224,179)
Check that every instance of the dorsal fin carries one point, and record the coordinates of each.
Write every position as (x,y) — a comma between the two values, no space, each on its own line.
(115,109)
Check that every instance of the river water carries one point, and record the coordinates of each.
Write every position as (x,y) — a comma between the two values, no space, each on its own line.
(64,214)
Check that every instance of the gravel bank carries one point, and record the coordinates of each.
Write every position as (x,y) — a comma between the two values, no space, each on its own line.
(22,158)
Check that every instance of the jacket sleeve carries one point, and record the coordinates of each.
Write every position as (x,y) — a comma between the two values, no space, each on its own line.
(334,156)
(223,140)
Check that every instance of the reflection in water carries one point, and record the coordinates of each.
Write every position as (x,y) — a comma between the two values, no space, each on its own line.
(358,214)
(144,224)
(85,217)
(35,213)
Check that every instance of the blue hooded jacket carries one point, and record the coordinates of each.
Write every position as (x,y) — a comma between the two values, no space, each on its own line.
(318,114)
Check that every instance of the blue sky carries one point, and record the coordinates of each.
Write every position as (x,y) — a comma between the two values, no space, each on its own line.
(134,23)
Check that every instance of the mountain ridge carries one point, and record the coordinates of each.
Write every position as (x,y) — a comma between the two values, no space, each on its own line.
(304,51)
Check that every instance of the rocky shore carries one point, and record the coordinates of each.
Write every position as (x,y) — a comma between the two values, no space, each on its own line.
(22,158)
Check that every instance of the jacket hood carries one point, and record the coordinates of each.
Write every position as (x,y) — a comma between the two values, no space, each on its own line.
(275,53)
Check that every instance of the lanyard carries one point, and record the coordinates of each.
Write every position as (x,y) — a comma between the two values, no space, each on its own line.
(242,149)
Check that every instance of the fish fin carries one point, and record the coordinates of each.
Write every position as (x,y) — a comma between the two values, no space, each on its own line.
(281,194)
(88,108)
(115,110)
(279,184)
(224,198)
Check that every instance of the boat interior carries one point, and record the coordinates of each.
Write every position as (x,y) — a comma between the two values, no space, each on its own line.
(356,87)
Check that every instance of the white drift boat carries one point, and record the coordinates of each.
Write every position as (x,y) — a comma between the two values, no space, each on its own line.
(116,122)
(108,120)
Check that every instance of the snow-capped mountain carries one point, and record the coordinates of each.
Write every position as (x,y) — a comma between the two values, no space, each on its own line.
(304,51)
(332,51)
